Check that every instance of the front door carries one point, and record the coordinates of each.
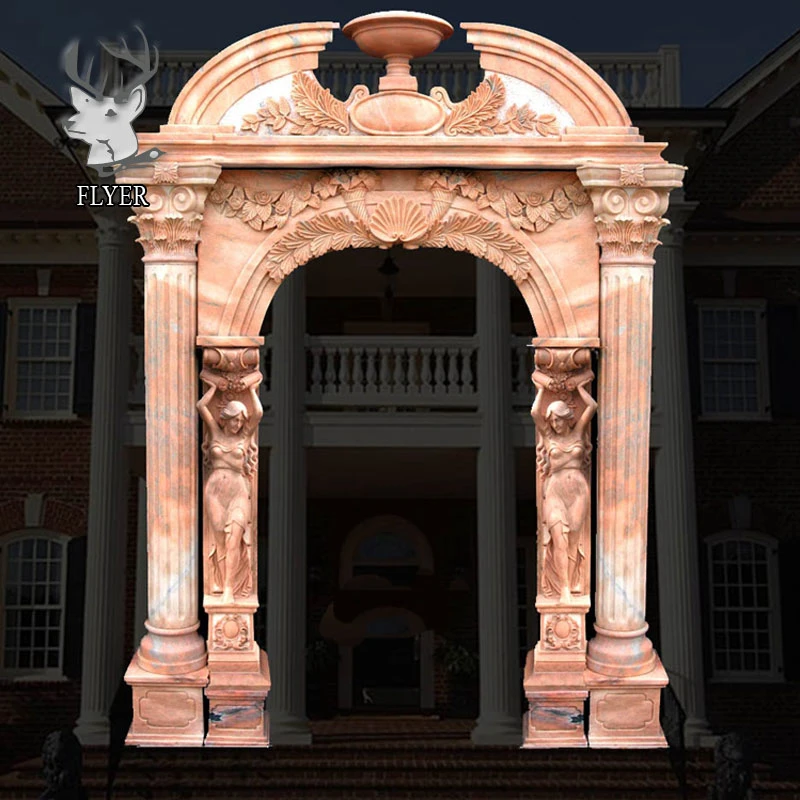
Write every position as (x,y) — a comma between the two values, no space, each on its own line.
(386,674)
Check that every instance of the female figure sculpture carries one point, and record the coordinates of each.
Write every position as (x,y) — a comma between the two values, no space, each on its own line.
(230,459)
(563,454)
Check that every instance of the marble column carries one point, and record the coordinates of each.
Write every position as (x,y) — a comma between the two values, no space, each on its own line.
(499,721)
(286,571)
(625,676)
(140,599)
(103,656)
(676,521)
(168,672)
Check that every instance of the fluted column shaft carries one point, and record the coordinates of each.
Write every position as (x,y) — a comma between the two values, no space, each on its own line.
(169,231)
(103,656)
(676,522)
(286,572)
(499,720)
(628,203)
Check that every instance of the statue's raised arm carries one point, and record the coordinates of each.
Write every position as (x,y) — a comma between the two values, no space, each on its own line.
(203,403)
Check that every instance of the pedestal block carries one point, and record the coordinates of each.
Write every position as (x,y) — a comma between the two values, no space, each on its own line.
(624,712)
(237,715)
(556,707)
(167,709)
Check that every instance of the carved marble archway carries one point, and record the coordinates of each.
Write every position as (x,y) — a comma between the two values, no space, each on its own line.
(266,170)
(536,226)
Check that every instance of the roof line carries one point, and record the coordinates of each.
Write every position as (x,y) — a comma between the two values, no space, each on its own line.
(759,72)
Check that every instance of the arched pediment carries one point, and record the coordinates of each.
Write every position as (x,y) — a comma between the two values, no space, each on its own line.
(536,226)
(264,85)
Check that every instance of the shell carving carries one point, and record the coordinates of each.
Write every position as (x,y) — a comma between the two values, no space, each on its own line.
(398,219)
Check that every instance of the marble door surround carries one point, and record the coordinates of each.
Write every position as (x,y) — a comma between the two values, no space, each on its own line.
(264,170)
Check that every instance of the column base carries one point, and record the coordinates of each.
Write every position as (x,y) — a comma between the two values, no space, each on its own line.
(172,652)
(288,729)
(237,716)
(557,709)
(621,654)
(497,729)
(624,712)
(697,734)
(93,730)
(167,709)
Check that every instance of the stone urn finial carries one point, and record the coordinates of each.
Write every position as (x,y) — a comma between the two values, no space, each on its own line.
(397,37)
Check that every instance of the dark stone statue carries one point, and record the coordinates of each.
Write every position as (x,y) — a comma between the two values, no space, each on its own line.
(62,762)
(733,769)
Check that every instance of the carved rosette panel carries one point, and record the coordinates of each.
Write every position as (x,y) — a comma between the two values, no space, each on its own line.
(629,202)
(563,632)
(562,413)
(311,110)
(231,410)
(402,220)
(231,632)
(169,228)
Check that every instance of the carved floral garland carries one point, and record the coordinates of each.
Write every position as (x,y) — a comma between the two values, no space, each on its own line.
(399,219)
(314,108)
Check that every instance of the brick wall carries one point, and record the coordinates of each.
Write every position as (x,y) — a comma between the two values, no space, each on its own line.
(38,181)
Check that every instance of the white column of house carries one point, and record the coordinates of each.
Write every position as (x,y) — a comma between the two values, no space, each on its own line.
(676,523)
(499,721)
(104,605)
(286,573)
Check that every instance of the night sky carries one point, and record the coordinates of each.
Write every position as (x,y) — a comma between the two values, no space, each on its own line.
(719,40)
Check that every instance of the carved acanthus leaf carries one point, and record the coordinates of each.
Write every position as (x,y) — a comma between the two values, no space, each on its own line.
(314,108)
(483,238)
(169,235)
(480,113)
(314,237)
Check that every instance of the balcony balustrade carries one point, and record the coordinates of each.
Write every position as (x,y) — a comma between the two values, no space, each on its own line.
(384,372)
(642,80)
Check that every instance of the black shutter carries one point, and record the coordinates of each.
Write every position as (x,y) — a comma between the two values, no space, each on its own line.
(73,607)
(783,341)
(3,329)
(84,358)
(694,357)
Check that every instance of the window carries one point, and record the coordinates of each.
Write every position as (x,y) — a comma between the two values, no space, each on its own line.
(34,569)
(733,359)
(744,603)
(40,358)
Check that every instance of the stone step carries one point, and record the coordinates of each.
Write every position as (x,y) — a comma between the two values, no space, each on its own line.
(331,771)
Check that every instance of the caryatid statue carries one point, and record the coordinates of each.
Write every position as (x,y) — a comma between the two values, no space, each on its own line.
(563,457)
(230,459)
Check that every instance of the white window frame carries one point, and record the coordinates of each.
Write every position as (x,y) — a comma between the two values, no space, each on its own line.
(775,674)
(10,410)
(32,673)
(762,364)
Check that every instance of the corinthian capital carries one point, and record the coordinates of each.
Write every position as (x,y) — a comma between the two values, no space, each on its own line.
(629,201)
(169,226)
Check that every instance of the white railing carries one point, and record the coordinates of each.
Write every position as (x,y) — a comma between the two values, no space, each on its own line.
(382,372)
(393,371)
(642,80)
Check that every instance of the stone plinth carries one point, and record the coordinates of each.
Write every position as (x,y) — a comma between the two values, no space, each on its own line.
(237,716)
(624,711)
(556,708)
(167,709)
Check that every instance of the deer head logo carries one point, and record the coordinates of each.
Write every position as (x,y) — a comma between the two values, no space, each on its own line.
(104,115)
